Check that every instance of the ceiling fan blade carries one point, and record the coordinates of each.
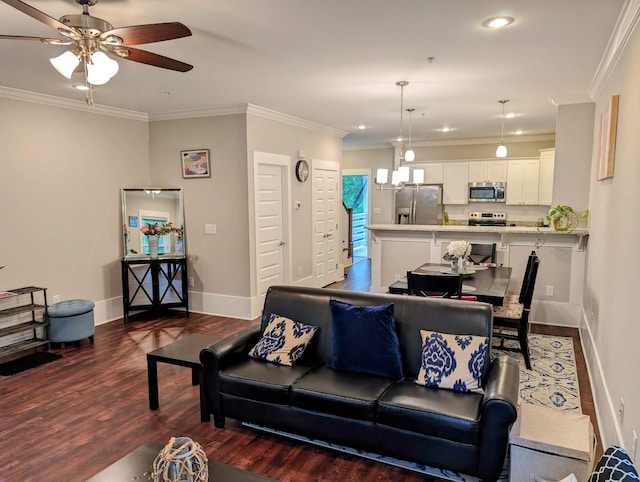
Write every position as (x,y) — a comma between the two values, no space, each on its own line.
(149,33)
(37,14)
(149,58)
(49,41)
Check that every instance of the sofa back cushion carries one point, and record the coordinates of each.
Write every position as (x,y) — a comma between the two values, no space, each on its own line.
(411,314)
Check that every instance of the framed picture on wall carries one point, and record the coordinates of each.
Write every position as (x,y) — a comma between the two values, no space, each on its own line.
(195,163)
(607,143)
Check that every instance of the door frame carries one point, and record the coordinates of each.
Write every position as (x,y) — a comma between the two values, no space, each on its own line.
(368,173)
(284,162)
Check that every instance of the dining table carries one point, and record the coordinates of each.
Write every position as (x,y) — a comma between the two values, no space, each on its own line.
(487,283)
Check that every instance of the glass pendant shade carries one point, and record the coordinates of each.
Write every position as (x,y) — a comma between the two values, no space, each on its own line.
(101,69)
(418,176)
(382,176)
(410,155)
(404,173)
(501,151)
(65,63)
(395,178)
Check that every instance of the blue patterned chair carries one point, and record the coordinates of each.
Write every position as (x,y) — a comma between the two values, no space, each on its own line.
(614,465)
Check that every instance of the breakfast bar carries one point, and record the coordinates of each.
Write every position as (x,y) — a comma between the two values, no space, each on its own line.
(398,248)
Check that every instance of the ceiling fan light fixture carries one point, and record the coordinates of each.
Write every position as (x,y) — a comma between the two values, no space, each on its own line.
(65,63)
(101,69)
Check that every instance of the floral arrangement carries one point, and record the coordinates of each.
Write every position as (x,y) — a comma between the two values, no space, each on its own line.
(159,229)
(457,249)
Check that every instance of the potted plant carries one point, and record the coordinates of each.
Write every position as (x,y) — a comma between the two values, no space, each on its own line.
(565,218)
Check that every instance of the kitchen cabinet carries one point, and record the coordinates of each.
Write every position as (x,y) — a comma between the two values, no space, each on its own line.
(545,184)
(23,317)
(492,171)
(456,183)
(433,171)
(523,177)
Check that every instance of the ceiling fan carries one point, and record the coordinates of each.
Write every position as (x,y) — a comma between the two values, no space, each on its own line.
(90,38)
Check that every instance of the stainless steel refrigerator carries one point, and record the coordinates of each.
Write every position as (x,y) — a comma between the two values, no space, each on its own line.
(419,206)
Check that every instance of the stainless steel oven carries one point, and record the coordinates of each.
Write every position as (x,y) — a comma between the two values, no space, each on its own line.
(487,192)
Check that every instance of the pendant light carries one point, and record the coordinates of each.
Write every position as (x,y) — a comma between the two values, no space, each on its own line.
(410,155)
(402,84)
(501,151)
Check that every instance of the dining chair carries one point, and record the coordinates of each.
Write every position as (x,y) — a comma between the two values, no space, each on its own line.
(434,285)
(482,253)
(515,316)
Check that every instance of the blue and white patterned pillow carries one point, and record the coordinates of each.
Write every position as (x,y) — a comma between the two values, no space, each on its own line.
(283,341)
(615,464)
(452,361)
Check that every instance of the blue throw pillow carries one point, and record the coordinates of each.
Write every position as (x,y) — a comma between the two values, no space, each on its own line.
(365,339)
(455,362)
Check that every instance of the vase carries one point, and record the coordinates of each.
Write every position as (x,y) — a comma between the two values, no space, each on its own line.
(153,246)
(181,460)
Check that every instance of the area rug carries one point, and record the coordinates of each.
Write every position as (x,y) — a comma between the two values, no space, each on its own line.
(27,362)
(551,382)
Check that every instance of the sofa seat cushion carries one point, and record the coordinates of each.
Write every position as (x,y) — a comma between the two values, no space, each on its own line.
(346,394)
(435,412)
(260,381)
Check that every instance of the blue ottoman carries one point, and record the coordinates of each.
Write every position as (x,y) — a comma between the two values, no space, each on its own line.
(71,320)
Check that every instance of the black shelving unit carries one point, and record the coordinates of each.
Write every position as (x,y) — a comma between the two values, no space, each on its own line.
(29,315)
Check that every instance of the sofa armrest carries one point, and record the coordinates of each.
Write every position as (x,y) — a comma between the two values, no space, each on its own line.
(499,411)
(218,355)
(214,355)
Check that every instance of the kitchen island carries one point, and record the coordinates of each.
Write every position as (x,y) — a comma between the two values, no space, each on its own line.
(396,248)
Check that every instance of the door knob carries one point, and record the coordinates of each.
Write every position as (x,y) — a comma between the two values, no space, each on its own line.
(281,243)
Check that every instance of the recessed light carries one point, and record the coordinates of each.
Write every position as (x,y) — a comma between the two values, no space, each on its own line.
(510,115)
(445,129)
(498,22)
(518,132)
(80,87)
(362,127)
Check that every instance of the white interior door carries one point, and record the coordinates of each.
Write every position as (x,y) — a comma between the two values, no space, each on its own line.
(326,198)
(270,226)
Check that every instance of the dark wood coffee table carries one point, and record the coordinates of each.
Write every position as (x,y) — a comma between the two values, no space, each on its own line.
(186,353)
(138,466)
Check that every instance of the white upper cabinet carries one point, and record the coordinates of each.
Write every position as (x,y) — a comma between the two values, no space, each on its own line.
(492,171)
(523,178)
(433,171)
(456,183)
(545,186)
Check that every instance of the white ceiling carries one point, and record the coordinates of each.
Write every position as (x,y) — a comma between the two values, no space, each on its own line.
(336,62)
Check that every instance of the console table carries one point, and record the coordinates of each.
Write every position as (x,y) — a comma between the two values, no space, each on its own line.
(154,284)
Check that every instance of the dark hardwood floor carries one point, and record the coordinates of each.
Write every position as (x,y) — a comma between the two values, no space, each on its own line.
(69,419)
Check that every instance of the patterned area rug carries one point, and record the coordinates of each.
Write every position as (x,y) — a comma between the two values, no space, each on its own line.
(551,382)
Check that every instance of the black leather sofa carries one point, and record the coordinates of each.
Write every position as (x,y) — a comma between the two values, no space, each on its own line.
(462,432)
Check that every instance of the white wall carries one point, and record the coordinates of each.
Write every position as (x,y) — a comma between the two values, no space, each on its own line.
(61,171)
(612,328)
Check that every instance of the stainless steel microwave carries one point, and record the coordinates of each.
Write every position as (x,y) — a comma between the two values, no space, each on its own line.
(487,192)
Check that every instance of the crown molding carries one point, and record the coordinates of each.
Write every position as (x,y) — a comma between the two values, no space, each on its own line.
(294,121)
(455,142)
(23,95)
(204,112)
(626,23)
(570,99)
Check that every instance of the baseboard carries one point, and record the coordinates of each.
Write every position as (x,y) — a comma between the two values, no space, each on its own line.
(606,414)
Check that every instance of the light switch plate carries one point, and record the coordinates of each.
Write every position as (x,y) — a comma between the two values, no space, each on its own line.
(210,229)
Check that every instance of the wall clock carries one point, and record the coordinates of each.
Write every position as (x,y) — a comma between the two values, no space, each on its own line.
(302,170)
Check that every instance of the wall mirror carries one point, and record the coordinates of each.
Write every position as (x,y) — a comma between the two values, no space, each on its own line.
(141,206)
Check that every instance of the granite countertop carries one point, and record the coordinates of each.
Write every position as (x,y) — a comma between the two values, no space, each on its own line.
(474,229)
